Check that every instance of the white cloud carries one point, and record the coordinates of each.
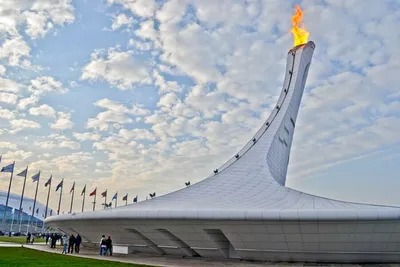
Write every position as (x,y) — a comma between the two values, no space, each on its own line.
(18,155)
(116,115)
(56,144)
(63,121)
(57,141)
(43,110)
(8,98)
(140,45)
(14,49)
(2,70)
(137,134)
(119,68)
(147,31)
(103,120)
(46,84)
(165,86)
(141,8)
(44,14)
(8,145)
(37,24)
(8,85)
(121,20)
(20,124)
(120,108)
(111,105)
(28,101)
(7,114)
(87,136)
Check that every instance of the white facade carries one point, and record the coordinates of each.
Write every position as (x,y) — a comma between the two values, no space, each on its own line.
(245,211)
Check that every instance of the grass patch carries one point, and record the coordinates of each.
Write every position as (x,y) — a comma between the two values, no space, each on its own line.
(19,239)
(29,257)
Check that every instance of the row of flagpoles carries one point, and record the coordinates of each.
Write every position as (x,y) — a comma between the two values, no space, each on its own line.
(35,178)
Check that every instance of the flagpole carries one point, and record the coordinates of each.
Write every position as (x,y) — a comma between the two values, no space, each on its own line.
(8,195)
(94,203)
(12,222)
(72,198)
(59,201)
(48,196)
(22,199)
(105,200)
(116,200)
(34,201)
(83,201)
(126,200)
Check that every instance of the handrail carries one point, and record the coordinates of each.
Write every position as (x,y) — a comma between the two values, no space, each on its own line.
(263,128)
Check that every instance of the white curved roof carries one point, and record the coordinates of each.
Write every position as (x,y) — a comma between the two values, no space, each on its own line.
(252,185)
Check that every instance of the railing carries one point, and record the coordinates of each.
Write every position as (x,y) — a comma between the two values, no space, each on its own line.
(263,128)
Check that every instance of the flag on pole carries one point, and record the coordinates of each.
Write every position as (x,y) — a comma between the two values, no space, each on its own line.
(59,185)
(8,168)
(93,193)
(48,181)
(83,190)
(36,177)
(125,197)
(37,211)
(23,173)
(135,199)
(104,194)
(73,188)
(115,196)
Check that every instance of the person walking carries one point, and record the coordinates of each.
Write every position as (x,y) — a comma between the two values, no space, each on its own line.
(28,237)
(71,244)
(32,238)
(65,243)
(109,246)
(51,240)
(47,238)
(78,241)
(103,245)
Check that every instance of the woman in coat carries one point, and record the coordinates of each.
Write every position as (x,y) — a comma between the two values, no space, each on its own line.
(65,243)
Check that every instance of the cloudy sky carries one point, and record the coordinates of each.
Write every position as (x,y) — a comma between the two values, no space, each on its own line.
(137,96)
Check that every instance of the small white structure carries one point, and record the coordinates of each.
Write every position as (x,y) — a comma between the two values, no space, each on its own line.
(244,211)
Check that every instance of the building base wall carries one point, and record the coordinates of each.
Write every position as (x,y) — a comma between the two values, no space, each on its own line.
(308,241)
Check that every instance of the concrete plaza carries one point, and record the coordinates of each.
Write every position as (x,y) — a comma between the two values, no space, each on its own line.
(169,261)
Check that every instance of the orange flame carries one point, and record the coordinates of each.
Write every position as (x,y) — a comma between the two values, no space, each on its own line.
(300,34)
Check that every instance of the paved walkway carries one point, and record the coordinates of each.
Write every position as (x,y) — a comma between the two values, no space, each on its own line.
(163,261)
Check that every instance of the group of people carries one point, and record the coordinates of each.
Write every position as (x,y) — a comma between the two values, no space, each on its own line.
(105,246)
(72,242)
(52,238)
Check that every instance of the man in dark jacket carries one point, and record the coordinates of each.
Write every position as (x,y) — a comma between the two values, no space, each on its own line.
(71,244)
(28,237)
(78,241)
(109,245)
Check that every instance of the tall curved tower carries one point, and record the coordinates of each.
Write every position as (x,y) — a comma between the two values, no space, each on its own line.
(243,210)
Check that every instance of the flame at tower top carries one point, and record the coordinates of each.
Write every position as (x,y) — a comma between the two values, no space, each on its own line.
(300,34)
